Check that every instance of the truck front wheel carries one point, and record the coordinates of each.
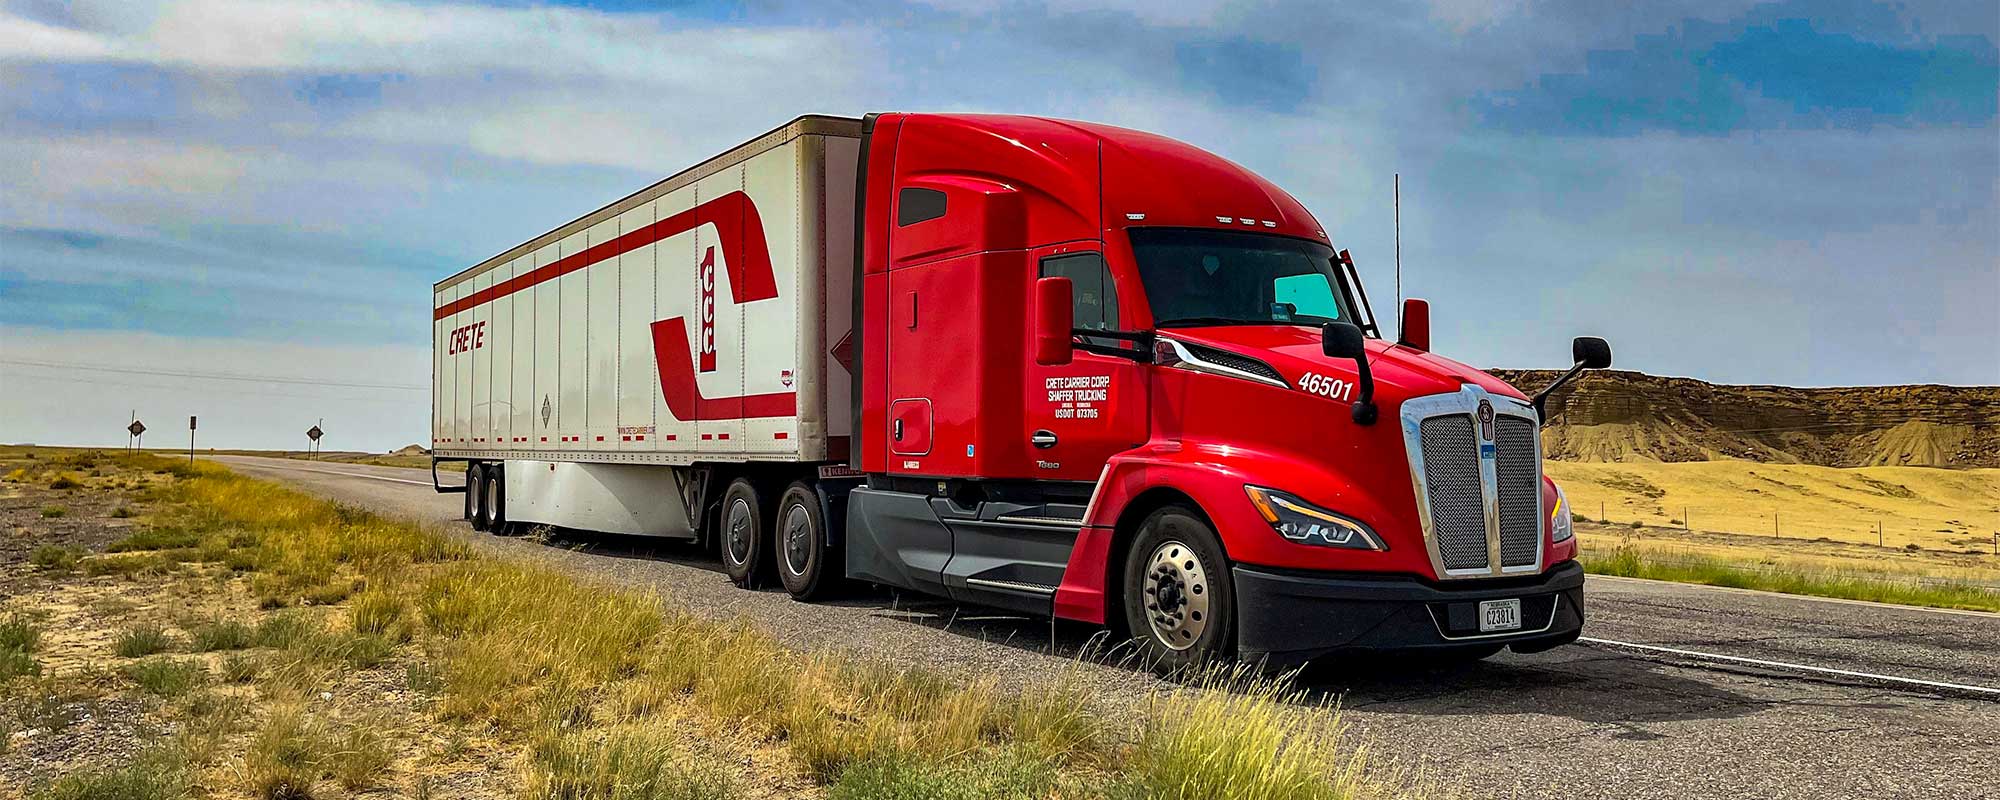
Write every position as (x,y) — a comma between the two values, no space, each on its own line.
(1179,602)
(807,567)
(743,533)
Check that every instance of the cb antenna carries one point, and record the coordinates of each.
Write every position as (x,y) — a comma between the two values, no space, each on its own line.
(1397,203)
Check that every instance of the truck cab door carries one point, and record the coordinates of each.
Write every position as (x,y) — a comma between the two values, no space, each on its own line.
(1081,413)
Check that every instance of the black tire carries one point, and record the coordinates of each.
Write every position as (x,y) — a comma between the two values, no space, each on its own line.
(807,567)
(1180,604)
(743,533)
(494,508)
(475,486)
(471,496)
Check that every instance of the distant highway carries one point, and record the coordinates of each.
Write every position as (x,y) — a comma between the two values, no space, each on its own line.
(1678,691)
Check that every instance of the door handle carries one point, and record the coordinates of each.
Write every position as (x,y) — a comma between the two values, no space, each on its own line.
(1043,439)
(899,430)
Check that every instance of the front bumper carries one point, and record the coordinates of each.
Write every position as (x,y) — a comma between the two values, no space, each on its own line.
(1288,617)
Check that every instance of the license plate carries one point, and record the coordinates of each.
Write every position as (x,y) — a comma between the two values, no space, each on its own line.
(1499,615)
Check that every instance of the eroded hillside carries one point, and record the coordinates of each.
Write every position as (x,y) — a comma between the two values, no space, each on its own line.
(1617,415)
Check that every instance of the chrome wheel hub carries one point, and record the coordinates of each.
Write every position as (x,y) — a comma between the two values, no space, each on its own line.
(1175,590)
(737,532)
(798,539)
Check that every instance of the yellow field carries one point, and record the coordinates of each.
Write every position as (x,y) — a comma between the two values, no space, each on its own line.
(1826,517)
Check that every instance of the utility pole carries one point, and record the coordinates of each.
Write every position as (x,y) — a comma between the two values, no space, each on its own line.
(1397,204)
(190,440)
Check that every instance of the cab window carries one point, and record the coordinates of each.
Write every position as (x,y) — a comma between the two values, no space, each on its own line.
(1094,300)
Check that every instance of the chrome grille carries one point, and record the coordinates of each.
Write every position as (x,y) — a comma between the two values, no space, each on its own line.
(1451,482)
(1520,491)
(1479,498)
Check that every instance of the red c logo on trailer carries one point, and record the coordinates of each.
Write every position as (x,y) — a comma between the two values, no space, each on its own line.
(748,260)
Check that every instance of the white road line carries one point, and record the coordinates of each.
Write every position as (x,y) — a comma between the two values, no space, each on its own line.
(1653,648)
(344,474)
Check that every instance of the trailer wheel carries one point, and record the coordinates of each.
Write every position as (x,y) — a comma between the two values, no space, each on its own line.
(471,509)
(475,495)
(494,507)
(743,533)
(1180,604)
(807,567)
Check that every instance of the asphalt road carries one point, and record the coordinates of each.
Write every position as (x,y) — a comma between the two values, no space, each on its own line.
(1594,719)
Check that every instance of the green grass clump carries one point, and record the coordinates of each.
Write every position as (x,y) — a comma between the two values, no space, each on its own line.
(123,512)
(19,637)
(221,634)
(64,483)
(167,677)
(55,558)
(1629,562)
(626,763)
(241,668)
(142,640)
(904,777)
(1230,739)
(154,775)
(127,564)
(52,512)
(155,539)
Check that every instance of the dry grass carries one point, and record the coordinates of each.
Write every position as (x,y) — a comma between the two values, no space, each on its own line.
(644,701)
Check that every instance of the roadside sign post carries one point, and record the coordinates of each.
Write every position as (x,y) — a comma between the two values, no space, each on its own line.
(190,440)
(136,429)
(312,445)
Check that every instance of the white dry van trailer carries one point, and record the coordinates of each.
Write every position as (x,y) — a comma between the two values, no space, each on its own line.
(736,272)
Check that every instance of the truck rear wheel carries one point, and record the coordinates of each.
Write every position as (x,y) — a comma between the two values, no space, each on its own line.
(475,495)
(743,533)
(493,508)
(1179,602)
(807,567)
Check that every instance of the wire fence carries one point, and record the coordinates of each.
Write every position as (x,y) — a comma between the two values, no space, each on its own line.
(1878,531)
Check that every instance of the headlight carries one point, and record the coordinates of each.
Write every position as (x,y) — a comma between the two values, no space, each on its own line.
(1560,529)
(1304,523)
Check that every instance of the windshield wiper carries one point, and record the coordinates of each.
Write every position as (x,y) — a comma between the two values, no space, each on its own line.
(1195,322)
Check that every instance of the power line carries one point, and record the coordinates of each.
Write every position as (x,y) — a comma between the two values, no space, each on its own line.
(217,376)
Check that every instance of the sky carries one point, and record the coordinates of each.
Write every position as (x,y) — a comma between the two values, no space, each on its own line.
(1787,193)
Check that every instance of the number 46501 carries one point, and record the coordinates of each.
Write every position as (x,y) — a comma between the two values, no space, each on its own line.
(1335,388)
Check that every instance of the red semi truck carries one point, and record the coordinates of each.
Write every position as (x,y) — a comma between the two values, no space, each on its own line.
(1056,367)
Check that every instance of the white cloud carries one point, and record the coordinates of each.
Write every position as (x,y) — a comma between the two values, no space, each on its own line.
(28,40)
(367,36)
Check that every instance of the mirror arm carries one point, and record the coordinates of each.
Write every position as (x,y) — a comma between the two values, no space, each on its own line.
(1364,411)
(1143,355)
(1541,399)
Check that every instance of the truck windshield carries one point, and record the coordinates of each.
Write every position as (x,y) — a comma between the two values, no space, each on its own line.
(1196,276)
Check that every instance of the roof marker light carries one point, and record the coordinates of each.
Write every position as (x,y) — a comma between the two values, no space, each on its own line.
(1132,216)
(1249,221)
(1270,223)
(1225,219)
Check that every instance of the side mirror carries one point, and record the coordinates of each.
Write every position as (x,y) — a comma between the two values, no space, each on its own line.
(1054,318)
(1344,340)
(1591,352)
(1587,352)
(1416,333)
(1341,340)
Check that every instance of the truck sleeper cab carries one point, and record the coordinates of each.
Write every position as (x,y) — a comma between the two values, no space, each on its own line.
(1103,375)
